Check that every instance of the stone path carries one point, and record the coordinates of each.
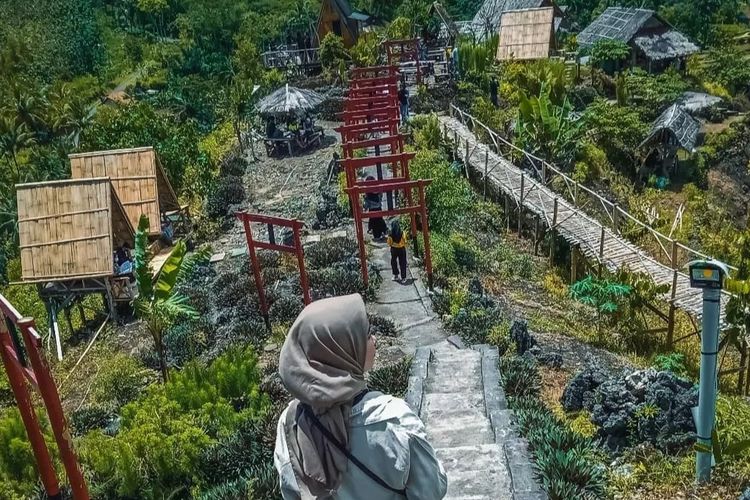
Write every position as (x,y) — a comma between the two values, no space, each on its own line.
(457,394)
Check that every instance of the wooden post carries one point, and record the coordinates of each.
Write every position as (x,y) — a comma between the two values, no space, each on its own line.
(257,275)
(520,204)
(507,212)
(466,156)
(455,144)
(601,250)
(573,264)
(486,163)
(615,209)
(544,173)
(536,235)
(301,263)
(575,195)
(672,293)
(19,387)
(552,235)
(425,235)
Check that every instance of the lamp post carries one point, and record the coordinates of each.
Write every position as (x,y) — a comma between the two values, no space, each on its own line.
(709,276)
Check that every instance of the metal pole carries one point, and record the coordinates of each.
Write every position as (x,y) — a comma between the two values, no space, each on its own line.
(707,388)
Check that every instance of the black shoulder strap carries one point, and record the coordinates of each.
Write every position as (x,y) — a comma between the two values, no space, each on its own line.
(308,411)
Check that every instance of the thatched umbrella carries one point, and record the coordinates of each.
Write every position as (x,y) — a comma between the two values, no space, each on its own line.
(289,100)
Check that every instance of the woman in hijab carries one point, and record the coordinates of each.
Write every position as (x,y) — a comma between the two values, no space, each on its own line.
(337,440)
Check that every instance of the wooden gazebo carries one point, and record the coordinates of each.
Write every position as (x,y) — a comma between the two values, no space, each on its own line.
(138,178)
(68,233)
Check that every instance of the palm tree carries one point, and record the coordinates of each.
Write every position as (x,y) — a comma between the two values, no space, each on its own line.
(14,136)
(158,303)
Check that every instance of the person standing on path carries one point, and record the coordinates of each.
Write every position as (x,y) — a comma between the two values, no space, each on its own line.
(336,440)
(403,99)
(397,243)
(373,203)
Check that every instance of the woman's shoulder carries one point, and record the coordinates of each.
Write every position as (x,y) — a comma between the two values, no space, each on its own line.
(378,407)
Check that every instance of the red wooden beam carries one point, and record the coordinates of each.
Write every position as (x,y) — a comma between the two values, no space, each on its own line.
(370,115)
(379,81)
(395,142)
(355,131)
(370,102)
(368,92)
(375,71)
(370,161)
(39,377)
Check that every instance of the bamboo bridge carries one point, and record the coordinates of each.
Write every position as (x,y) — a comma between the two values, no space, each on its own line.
(590,223)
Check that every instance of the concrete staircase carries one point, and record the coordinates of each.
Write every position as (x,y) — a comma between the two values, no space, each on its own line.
(457,394)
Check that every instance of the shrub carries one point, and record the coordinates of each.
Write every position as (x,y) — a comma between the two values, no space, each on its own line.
(382,326)
(18,471)
(392,379)
(285,308)
(246,454)
(673,362)
(228,192)
(119,381)
(554,285)
(89,418)
(519,376)
(329,252)
(499,336)
(185,341)
(583,426)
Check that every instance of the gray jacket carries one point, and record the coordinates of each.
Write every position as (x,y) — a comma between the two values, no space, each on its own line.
(390,440)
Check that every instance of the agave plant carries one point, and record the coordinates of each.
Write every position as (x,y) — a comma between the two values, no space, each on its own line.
(158,303)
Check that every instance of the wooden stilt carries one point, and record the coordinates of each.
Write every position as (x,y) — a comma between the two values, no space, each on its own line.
(552,236)
(507,212)
(573,264)
(536,235)
(672,293)
(520,205)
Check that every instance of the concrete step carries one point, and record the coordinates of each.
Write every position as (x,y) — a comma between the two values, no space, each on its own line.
(476,472)
(464,431)
(456,382)
(443,406)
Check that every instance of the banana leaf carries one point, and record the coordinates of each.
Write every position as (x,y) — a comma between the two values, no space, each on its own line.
(167,278)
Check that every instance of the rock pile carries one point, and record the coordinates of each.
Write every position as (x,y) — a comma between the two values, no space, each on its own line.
(636,407)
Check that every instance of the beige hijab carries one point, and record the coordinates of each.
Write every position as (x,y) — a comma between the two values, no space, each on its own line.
(322,365)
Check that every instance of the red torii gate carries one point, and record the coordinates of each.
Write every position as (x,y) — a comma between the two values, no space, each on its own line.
(17,354)
(354,132)
(295,226)
(373,92)
(374,72)
(351,165)
(377,82)
(368,115)
(403,51)
(371,102)
(394,142)
(391,185)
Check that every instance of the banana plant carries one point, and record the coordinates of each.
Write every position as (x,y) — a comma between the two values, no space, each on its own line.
(158,303)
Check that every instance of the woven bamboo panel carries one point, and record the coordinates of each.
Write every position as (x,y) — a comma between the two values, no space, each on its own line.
(67,228)
(526,34)
(137,177)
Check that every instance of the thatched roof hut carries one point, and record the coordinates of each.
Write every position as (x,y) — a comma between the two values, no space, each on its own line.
(288,99)
(486,22)
(526,34)
(643,30)
(68,229)
(676,128)
(138,178)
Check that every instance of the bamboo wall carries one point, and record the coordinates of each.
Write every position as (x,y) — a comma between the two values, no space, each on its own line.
(68,229)
(137,177)
(526,34)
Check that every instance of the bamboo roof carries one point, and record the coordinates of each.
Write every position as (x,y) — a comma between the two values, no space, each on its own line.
(138,178)
(288,99)
(654,36)
(69,229)
(676,122)
(526,34)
